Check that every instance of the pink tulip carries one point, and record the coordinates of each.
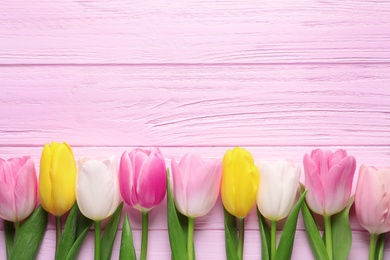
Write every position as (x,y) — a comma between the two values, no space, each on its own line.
(328,178)
(18,186)
(372,199)
(196,184)
(142,178)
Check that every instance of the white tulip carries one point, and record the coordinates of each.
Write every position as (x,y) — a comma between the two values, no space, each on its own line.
(278,186)
(97,187)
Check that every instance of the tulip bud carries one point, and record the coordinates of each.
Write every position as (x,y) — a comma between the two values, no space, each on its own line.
(372,199)
(240,181)
(142,178)
(328,179)
(97,187)
(196,184)
(57,178)
(18,186)
(277,189)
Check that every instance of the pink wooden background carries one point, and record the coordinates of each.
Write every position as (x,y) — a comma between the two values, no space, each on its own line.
(279,78)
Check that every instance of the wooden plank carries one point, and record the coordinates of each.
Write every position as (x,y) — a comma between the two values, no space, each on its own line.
(196,105)
(208,245)
(193,32)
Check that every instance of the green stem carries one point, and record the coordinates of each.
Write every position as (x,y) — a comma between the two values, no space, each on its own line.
(144,243)
(58,233)
(97,240)
(373,240)
(240,249)
(328,236)
(190,238)
(273,239)
(17,227)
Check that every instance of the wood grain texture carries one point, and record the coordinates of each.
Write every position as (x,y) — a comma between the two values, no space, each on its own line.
(279,78)
(128,32)
(196,105)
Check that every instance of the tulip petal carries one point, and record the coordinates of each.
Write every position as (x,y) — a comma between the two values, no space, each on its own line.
(45,182)
(203,188)
(7,182)
(25,191)
(63,177)
(126,180)
(151,183)
(338,185)
(313,183)
(178,187)
(372,199)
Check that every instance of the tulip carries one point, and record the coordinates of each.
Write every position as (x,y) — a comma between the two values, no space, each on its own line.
(97,187)
(196,185)
(277,192)
(372,202)
(97,191)
(57,178)
(142,178)
(142,182)
(328,178)
(277,189)
(18,185)
(240,181)
(57,182)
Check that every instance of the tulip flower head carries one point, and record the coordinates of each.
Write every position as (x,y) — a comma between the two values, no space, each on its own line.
(372,199)
(97,187)
(328,179)
(196,184)
(279,183)
(240,181)
(57,178)
(142,178)
(18,186)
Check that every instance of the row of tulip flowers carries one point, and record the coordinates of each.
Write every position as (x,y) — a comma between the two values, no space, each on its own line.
(99,185)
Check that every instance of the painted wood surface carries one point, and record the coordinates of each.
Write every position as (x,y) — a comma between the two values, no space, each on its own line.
(279,78)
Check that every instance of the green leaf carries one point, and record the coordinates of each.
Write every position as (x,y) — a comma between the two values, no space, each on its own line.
(108,238)
(286,241)
(73,252)
(177,239)
(231,239)
(380,246)
(82,223)
(265,237)
(9,232)
(127,251)
(30,236)
(68,234)
(313,235)
(341,233)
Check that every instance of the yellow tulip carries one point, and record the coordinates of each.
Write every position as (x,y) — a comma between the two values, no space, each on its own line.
(240,181)
(57,178)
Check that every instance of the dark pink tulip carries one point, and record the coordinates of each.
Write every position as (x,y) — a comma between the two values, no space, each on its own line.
(372,199)
(18,186)
(142,178)
(328,179)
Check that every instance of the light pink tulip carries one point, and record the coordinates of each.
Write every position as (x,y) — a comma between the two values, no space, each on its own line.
(142,178)
(18,188)
(328,179)
(196,184)
(372,199)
